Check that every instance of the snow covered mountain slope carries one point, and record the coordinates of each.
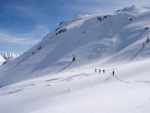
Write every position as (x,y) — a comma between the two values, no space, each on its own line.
(117,42)
(4,57)
(103,39)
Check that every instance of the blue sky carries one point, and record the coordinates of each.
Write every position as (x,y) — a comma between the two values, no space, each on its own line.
(23,23)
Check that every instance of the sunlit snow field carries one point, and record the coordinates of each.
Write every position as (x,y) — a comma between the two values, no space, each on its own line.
(45,80)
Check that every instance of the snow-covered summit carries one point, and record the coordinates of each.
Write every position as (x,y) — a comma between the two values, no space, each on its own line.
(130,8)
(133,10)
(112,38)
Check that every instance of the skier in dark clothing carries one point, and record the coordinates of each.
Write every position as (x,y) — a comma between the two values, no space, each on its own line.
(147,40)
(74,58)
(95,70)
(103,71)
(99,71)
(113,72)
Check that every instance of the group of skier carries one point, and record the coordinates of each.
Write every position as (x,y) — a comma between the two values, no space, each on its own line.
(103,71)
(100,70)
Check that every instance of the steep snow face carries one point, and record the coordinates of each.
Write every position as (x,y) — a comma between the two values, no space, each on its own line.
(4,57)
(118,37)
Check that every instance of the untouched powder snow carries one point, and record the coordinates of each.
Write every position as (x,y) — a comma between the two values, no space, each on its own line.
(45,80)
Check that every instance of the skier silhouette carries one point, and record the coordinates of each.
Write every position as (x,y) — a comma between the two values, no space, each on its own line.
(95,70)
(74,58)
(103,71)
(147,40)
(99,71)
(113,72)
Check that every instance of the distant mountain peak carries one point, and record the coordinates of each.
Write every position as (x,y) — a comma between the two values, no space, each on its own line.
(130,7)
(133,9)
(5,56)
(127,8)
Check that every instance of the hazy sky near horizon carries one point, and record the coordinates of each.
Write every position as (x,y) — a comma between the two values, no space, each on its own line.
(23,23)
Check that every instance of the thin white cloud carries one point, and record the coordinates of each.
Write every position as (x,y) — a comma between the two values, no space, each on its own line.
(19,43)
(9,38)
(26,38)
